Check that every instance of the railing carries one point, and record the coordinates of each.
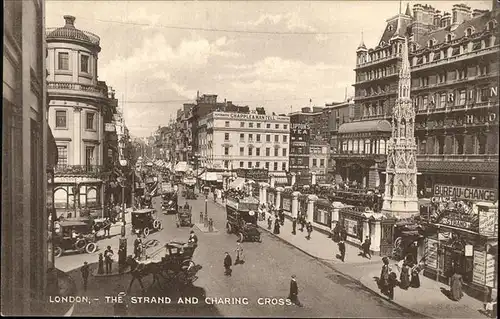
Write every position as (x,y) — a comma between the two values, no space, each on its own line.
(458,157)
(89,88)
(459,57)
(387,58)
(71,34)
(84,170)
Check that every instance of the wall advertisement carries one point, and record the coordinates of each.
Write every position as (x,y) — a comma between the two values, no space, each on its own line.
(431,253)
(287,204)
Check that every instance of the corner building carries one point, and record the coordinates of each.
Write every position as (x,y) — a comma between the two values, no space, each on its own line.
(78,104)
(454,71)
(246,140)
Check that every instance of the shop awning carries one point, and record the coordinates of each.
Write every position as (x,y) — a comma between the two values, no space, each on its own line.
(280,178)
(238,183)
(365,126)
(209,176)
(181,167)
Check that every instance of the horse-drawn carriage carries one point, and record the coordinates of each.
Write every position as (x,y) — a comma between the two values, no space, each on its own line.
(74,236)
(144,221)
(175,267)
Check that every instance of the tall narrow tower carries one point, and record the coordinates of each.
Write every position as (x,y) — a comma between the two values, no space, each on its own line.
(400,198)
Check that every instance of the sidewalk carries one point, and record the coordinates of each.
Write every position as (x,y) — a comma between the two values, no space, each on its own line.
(428,300)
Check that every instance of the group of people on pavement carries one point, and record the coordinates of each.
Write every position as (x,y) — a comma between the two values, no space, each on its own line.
(409,276)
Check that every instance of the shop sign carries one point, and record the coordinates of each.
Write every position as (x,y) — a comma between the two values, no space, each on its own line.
(351,227)
(287,204)
(469,250)
(479,271)
(490,270)
(468,193)
(432,249)
(488,223)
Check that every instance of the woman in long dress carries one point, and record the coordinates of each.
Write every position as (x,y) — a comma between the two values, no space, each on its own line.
(415,277)
(456,283)
(404,278)
(276,225)
(384,276)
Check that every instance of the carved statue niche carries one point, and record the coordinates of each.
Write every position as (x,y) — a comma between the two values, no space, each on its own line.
(402,128)
(401,188)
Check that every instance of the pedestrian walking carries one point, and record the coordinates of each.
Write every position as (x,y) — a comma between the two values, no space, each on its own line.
(227,264)
(269,223)
(137,247)
(309,229)
(100,268)
(201,217)
(392,282)
(415,276)
(294,292)
(294,226)
(302,222)
(108,259)
(384,276)
(85,274)
(404,277)
(342,250)
(282,217)
(456,282)
(366,248)
(276,226)
(239,255)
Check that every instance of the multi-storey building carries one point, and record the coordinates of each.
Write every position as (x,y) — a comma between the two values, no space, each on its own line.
(183,133)
(319,151)
(77,108)
(305,125)
(245,140)
(455,91)
(28,152)
(338,115)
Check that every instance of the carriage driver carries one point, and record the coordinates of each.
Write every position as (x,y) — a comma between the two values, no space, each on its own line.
(193,239)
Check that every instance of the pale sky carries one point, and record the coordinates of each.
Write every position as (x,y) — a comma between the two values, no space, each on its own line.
(155,63)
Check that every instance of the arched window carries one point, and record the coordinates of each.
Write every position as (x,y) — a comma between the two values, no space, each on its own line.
(344,146)
(491,25)
(60,198)
(401,188)
(469,32)
(449,38)
(383,147)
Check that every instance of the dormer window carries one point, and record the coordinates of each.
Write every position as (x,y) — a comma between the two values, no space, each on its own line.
(491,25)
(449,38)
(413,47)
(469,32)
(389,28)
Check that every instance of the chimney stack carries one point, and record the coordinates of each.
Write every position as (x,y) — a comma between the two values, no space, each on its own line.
(70,21)
(445,20)
(461,13)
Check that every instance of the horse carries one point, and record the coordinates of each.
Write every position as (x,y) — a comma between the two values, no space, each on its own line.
(141,270)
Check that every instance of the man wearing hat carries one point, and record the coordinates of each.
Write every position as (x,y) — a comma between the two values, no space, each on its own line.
(294,292)
(85,274)
(193,239)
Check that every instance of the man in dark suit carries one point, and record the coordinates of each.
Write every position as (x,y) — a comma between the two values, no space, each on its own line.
(366,248)
(342,249)
(294,225)
(294,292)
(227,264)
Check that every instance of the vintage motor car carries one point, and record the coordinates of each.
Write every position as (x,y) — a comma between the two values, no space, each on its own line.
(184,217)
(241,218)
(169,202)
(144,221)
(73,236)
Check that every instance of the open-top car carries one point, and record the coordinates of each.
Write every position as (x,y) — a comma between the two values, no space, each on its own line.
(73,236)
(144,221)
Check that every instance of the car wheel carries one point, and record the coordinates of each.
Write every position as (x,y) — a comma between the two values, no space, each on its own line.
(91,248)
(145,231)
(156,224)
(241,237)
(58,251)
(80,244)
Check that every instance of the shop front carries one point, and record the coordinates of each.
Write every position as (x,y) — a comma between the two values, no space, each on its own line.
(463,239)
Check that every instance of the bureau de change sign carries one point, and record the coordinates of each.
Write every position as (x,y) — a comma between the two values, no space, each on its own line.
(465,192)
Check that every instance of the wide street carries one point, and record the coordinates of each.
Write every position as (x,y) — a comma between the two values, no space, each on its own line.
(265,274)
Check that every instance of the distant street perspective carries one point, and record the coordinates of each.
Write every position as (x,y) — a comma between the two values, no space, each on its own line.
(333,159)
